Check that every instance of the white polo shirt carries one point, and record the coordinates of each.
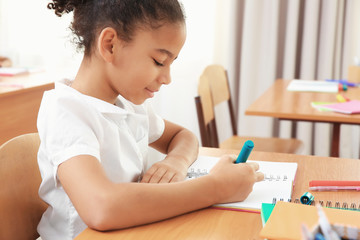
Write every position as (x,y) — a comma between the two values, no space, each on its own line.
(72,124)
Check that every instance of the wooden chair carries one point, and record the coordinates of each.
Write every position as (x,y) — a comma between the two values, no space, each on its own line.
(213,89)
(20,205)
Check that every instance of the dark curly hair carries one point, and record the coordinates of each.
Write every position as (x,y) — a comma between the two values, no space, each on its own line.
(125,16)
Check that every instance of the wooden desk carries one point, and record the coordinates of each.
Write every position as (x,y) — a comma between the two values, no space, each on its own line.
(222,224)
(19,106)
(279,103)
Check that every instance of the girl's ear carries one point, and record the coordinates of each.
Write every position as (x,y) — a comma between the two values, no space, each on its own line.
(106,42)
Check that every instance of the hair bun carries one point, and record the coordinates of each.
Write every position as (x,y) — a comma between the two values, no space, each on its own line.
(64,6)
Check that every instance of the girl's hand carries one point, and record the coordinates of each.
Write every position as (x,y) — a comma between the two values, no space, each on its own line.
(234,182)
(171,169)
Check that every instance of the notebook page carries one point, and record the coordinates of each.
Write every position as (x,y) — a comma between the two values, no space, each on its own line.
(278,182)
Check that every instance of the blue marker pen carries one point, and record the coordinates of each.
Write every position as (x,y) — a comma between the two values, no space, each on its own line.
(245,152)
(319,236)
(342,81)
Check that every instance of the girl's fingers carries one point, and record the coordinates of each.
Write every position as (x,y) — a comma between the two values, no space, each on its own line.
(158,174)
(147,176)
(254,165)
(259,176)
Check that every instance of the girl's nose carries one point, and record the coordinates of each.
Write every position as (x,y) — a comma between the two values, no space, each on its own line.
(165,77)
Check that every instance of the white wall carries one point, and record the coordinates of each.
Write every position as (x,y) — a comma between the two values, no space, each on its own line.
(32,36)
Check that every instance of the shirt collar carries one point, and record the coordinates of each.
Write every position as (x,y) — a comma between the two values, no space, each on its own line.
(121,106)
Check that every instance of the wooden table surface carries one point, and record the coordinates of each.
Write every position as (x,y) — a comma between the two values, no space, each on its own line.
(225,224)
(25,82)
(279,103)
(20,98)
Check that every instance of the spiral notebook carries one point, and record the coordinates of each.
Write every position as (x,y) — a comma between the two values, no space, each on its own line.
(286,219)
(277,185)
(267,208)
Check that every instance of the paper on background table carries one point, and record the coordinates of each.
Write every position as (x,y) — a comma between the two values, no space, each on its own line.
(350,107)
(12,71)
(318,106)
(313,86)
(264,191)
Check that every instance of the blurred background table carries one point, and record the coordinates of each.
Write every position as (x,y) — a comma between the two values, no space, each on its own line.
(278,102)
(20,98)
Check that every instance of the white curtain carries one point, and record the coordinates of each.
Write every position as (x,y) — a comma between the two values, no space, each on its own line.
(303,39)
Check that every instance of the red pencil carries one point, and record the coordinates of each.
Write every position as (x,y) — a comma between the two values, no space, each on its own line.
(333,185)
(317,183)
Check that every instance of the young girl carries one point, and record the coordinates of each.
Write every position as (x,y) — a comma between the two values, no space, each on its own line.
(96,131)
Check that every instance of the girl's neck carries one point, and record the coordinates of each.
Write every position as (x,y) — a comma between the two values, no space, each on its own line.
(91,80)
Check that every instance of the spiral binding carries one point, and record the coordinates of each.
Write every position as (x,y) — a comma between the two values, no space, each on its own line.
(344,205)
(198,173)
(271,177)
(267,177)
(279,200)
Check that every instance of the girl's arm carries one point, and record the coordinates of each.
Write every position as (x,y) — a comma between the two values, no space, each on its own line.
(104,205)
(181,147)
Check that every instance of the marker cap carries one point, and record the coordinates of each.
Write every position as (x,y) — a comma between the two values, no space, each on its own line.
(245,151)
(307,198)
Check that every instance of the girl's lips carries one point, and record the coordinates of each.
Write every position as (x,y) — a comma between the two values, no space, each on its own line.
(151,92)
(156,90)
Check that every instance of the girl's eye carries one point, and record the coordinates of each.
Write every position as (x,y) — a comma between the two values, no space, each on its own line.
(158,64)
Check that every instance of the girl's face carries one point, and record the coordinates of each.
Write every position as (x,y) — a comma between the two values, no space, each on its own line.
(142,66)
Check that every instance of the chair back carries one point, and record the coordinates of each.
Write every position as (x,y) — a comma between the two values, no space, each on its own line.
(219,86)
(205,112)
(220,90)
(213,90)
(20,205)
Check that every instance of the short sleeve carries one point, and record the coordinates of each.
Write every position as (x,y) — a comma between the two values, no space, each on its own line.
(66,129)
